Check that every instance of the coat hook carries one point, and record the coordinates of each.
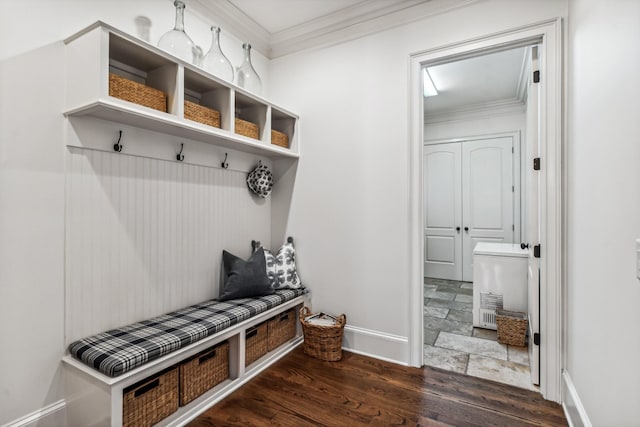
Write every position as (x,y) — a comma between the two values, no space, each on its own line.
(117,146)
(225,165)
(180,156)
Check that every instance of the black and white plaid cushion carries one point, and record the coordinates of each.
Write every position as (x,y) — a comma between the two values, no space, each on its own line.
(120,350)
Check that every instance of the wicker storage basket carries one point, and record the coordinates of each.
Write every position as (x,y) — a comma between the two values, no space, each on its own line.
(203,371)
(135,92)
(280,139)
(151,400)
(322,342)
(201,114)
(281,329)
(255,343)
(246,128)
(512,327)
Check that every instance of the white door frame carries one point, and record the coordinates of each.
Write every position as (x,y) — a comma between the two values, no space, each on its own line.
(549,35)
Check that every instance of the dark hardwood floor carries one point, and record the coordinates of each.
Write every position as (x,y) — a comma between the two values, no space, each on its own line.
(302,391)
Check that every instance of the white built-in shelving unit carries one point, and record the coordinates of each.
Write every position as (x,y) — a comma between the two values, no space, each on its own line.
(92,398)
(100,49)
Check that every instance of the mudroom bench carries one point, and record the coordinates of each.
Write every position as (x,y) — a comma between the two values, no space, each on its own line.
(182,362)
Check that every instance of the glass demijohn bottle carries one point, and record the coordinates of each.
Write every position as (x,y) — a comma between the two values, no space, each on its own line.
(176,41)
(215,61)
(246,75)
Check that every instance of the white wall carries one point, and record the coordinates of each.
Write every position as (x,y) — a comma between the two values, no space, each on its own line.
(603,198)
(32,180)
(29,24)
(350,201)
(32,232)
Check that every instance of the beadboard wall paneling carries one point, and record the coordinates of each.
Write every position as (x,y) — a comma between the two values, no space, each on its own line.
(145,236)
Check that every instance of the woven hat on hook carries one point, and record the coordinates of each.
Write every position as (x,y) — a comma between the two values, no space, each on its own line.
(260,181)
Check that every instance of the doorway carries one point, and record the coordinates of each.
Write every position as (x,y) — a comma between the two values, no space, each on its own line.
(547,36)
(470,200)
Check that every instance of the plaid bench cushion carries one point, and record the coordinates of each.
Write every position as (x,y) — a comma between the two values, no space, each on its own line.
(120,350)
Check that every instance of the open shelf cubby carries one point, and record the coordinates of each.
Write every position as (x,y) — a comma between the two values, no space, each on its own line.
(99,52)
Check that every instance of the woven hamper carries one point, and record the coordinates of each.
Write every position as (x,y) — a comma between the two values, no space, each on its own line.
(280,139)
(512,327)
(281,329)
(246,128)
(151,400)
(322,342)
(201,114)
(203,371)
(135,92)
(256,341)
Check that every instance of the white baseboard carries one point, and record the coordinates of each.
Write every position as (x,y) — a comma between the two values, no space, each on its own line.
(573,409)
(50,415)
(379,345)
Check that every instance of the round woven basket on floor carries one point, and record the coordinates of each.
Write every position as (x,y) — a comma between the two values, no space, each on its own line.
(322,342)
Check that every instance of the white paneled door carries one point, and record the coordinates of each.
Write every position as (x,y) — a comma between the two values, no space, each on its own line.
(487,196)
(469,198)
(443,211)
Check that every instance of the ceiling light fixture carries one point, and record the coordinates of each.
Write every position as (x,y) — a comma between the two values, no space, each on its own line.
(429,87)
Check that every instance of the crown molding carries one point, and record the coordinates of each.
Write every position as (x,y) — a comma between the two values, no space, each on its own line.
(503,107)
(234,21)
(336,29)
(341,19)
(361,19)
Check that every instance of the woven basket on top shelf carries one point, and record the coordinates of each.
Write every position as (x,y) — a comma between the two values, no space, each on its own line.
(151,400)
(246,128)
(512,327)
(203,371)
(322,342)
(280,139)
(128,90)
(201,114)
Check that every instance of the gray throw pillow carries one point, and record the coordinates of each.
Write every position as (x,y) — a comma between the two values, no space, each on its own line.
(244,279)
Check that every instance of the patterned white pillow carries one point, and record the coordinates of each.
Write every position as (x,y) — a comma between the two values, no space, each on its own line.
(281,268)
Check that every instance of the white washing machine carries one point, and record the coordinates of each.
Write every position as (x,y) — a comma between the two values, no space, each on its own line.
(499,281)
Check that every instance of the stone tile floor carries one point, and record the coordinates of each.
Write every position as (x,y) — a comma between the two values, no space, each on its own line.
(452,343)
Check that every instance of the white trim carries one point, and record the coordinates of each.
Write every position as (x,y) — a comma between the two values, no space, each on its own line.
(548,33)
(47,416)
(376,344)
(232,19)
(523,80)
(503,107)
(572,405)
(359,20)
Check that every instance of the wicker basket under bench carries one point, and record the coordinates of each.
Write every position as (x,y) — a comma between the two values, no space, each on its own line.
(179,385)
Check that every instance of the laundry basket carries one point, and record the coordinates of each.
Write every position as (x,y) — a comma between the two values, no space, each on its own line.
(320,341)
(512,327)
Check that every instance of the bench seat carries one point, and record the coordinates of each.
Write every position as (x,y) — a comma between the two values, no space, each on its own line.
(120,350)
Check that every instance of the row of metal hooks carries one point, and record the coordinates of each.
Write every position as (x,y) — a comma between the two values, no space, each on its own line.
(117,147)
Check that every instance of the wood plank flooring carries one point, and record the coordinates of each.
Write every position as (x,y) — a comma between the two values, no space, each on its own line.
(361,391)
